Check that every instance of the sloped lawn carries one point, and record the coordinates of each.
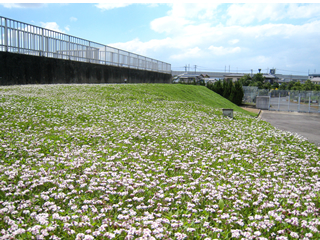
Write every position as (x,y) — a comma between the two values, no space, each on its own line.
(148,162)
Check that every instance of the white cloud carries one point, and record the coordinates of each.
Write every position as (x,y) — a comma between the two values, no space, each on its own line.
(23,5)
(143,48)
(109,6)
(223,51)
(194,10)
(192,35)
(73,19)
(168,24)
(188,53)
(234,41)
(242,14)
(51,25)
(303,11)
(182,15)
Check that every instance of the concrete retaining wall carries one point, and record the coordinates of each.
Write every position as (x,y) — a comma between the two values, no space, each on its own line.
(262,102)
(27,69)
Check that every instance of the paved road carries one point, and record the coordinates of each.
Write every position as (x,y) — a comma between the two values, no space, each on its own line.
(305,124)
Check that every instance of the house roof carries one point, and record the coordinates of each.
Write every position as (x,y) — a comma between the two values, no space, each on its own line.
(315,79)
(187,75)
(269,76)
(314,75)
(234,75)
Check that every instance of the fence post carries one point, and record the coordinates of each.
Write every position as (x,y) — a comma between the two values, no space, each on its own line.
(5,35)
(279,102)
(299,103)
(118,57)
(309,102)
(68,48)
(289,103)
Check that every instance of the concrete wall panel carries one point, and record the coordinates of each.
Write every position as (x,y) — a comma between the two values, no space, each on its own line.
(26,69)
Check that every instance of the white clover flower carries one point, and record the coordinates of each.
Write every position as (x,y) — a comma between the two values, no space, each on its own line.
(294,235)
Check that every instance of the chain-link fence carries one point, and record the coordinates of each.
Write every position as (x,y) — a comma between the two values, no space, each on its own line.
(249,94)
(285,100)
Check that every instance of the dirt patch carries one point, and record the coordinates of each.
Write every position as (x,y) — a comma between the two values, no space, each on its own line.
(251,109)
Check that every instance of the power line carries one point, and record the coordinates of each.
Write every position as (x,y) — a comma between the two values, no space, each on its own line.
(288,70)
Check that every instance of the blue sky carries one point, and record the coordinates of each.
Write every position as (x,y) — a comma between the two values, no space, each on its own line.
(212,36)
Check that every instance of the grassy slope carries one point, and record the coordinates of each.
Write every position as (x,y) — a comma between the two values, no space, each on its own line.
(178,92)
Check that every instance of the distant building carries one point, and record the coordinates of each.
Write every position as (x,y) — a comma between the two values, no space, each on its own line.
(315,78)
(280,78)
(233,76)
(236,77)
(270,78)
(188,78)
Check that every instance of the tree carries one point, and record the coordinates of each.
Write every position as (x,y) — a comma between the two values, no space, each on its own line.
(230,91)
(283,86)
(218,88)
(245,80)
(290,85)
(257,81)
(227,87)
(236,94)
(308,86)
(267,85)
(297,86)
(275,85)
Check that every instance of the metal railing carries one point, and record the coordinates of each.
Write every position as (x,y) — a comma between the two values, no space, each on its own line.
(23,38)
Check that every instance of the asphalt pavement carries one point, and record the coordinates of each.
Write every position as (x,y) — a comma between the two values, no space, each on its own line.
(305,124)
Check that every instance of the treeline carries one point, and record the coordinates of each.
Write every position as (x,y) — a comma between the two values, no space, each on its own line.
(259,81)
(229,90)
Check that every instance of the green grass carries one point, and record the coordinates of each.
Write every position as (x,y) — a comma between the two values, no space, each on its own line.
(123,161)
(175,92)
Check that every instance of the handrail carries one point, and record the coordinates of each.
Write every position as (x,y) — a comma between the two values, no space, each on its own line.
(24,38)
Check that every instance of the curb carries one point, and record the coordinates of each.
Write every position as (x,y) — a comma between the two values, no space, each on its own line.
(258,114)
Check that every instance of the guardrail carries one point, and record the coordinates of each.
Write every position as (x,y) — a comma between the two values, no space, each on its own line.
(23,38)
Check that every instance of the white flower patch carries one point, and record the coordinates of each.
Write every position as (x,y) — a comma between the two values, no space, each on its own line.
(89,162)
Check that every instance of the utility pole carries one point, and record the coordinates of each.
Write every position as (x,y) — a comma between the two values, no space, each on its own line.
(251,72)
(229,68)
(195,68)
(185,67)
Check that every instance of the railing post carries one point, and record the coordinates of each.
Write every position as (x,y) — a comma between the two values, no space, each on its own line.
(5,35)
(279,102)
(299,103)
(42,43)
(18,40)
(129,61)
(68,48)
(118,58)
